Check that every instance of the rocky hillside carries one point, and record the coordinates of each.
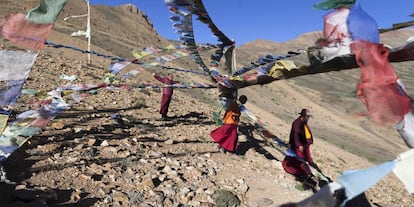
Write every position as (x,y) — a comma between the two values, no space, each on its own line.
(112,149)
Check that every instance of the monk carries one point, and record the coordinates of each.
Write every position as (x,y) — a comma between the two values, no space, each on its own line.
(299,143)
(167,93)
(226,135)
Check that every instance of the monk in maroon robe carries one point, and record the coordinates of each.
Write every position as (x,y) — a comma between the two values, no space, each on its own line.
(167,93)
(299,142)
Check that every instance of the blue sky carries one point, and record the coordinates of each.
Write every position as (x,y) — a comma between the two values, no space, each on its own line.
(248,20)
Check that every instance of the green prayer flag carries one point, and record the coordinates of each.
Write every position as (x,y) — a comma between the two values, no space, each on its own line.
(46,12)
(333,4)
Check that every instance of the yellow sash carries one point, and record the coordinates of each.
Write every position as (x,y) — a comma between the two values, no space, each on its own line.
(307,133)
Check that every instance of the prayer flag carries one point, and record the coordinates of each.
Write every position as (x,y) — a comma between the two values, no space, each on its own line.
(362,26)
(140,54)
(379,90)
(9,92)
(336,36)
(16,135)
(358,181)
(333,4)
(406,129)
(335,27)
(80,33)
(6,151)
(46,12)
(404,169)
(15,65)
(3,122)
(170,47)
(177,2)
(116,67)
(24,33)
(230,56)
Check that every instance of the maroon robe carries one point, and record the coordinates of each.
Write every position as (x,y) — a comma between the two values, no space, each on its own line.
(226,135)
(298,138)
(295,167)
(167,93)
(292,165)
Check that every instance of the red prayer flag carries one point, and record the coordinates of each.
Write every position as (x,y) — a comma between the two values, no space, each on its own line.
(385,99)
(23,33)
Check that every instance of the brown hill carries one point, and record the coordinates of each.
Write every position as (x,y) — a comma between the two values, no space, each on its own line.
(86,158)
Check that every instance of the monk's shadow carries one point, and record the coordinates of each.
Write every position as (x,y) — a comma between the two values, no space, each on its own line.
(252,142)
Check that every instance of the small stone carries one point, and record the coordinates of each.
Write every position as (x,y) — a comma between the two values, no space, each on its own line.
(262,202)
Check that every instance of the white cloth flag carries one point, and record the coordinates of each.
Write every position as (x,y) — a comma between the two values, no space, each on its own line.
(116,67)
(404,169)
(406,129)
(15,65)
(356,182)
(86,33)
(336,34)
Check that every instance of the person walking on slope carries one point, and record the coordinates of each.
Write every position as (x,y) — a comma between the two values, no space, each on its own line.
(299,143)
(167,93)
(226,135)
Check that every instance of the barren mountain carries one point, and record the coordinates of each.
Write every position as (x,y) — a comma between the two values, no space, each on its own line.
(112,149)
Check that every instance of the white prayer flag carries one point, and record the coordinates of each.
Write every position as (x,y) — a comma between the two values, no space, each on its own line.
(404,169)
